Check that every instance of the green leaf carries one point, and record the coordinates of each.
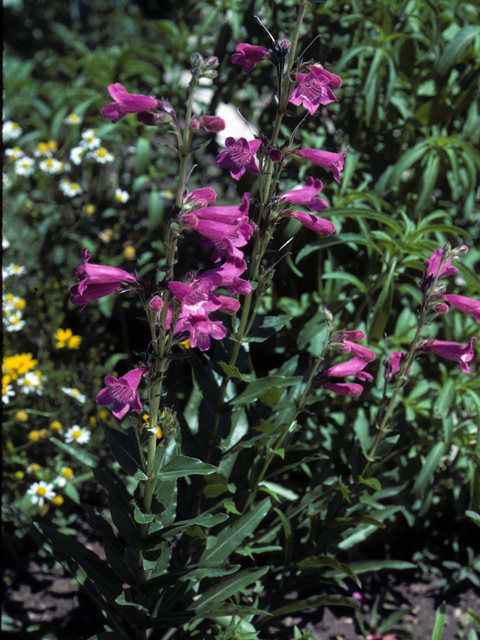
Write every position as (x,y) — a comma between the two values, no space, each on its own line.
(143,156)
(475,517)
(429,180)
(182,466)
(120,506)
(383,307)
(347,277)
(314,602)
(268,327)
(125,449)
(258,387)
(232,372)
(122,600)
(155,210)
(79,454)
(445,398)
(455,48)
(230,538)
(228,587)
(425,477)
(352,239)
(142,518)
(319,562)
(276,490)
(440,618)
(361,426)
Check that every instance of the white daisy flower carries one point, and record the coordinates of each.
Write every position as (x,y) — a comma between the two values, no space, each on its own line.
(14,154)
(31,382)
(122,196)
(101,155)
(5,242)
(77,434)
(41,491)
(6,182)
(24,166)
(7,392)
(11,130)
(51,165)
(43,150)
(90,141)
(13,322)
(76,155)
(13,270)
(12,303)
(70,189)
(75,393)
(73,118)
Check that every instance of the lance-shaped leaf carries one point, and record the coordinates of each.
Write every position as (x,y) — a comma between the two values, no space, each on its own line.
(314,602)
(232,536)
(79,454)
(125,449)
(182,466)
(227,588)
(256,388)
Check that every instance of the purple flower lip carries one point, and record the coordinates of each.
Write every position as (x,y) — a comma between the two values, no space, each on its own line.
(240,155)
(313,89)
(248,55)
(122,392)
(127,103)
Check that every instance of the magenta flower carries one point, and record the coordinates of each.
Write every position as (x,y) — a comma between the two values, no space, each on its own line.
(313,89)
(97,281)
(212,123)
(319,225)
(240,155)
(197,298)
(392,365)
(353,367)
(199,198)
(462,303)
(200,329)
(224,239)
(126,103)
(231,215)
(306,195)
(248,55)
(433,263)
(122,392)
(452,351)
(325,159)
(227,275)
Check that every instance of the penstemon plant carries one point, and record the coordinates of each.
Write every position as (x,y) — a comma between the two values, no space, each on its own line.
(219,556)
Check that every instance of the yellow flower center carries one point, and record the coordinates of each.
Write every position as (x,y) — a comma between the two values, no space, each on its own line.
(102,152)
(67,473)
(74,186)
(77,433)
(56,426)
(41,491)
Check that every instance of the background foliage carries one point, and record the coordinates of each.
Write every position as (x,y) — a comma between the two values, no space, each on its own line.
(408,111)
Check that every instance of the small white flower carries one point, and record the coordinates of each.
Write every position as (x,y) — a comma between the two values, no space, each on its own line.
(24,166)
(73,118)
(7,392)
(70,189)
(90,141)
(122,196)
(51,165)
(41,491)
(14,154)
(77,434)
(12,303)
(13,322)
(6,182)
(76,155)
(31,382)
(11,130)
(60,481)
(75,393)
(100,155)
(13,270)
(43,151)
(5,242)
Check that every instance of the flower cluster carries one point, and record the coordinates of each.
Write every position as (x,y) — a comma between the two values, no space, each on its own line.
(347,342)
(18,374)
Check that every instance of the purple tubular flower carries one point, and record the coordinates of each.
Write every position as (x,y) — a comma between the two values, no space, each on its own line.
(228,276)
(224,214)
(352,367)
(325,159)
(313,89)
(306,195)
(200,197)
(358,350)
(240,155)
(462,303)
(97,281)
(248,55)
(452,351)
(200,330)
(392,366)
(126,103)
(319,225)
(122,392)
(433,263)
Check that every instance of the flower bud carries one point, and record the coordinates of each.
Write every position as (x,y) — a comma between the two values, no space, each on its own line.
(462,250)
(275,155)
(212,123)
(327,314)
(194,125)
(156,304)
(441,307)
